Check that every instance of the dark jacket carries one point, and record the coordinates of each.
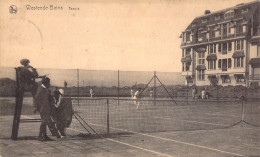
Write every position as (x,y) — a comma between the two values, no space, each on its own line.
(42,100)
(65,111)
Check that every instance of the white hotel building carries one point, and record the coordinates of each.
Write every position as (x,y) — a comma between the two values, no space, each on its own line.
(223,47)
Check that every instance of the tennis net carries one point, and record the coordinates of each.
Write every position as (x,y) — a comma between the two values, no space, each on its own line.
(113,116)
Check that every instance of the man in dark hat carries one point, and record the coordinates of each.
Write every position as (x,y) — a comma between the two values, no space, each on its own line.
(26,77)
(43,102)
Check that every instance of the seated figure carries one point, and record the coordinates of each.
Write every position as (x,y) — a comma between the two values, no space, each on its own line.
(62,112)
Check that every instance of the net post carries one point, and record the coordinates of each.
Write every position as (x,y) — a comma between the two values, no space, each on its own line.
(243,111)
(78,84)
(154,88)
(108,116)
(118,87)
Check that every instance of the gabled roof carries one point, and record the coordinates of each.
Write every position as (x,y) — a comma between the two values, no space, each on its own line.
(252,7)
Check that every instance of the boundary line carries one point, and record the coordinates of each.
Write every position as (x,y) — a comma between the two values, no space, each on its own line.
(123,143)
(166,139)
(176,141)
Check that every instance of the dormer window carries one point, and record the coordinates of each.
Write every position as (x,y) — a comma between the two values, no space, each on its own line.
(204,20)
(244,10)
(193,25)
(229,14)
(217,17)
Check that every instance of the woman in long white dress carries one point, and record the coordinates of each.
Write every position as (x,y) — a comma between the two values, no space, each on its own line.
(135,97)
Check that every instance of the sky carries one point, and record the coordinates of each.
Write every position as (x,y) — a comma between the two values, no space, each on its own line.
(102,35)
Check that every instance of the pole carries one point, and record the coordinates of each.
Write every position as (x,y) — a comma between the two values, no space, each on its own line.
(118,88)
(107,116)
(243,111)
(83,88)
(78,84)
(18,107)
(102,89)
(154,88)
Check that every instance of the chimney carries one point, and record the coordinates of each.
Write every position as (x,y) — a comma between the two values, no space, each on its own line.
(207,12)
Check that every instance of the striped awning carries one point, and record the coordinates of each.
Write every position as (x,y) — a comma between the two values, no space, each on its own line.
(201,49)
(201,67)
(212,76)
(254,62)
(238,53)
(212,56)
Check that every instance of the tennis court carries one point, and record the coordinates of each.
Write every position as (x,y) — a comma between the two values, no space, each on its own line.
(218,124)
(159,128)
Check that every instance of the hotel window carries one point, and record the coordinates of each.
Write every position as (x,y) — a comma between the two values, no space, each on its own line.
(188,50)
(239,62)
(230,46)
(212,33)
(217,17)
(201,58)
(201,75)
(239,44)
(224,48)
(224,64)
(219,63)
(229,63)
(212,64)
(211,49)
(224,29)
(225,79)
(244,10)
(182,52)
(182,66)
(240,78)
(219,47)
(229,14)
(204,20)
(239,27)
(188,36)
(188,66)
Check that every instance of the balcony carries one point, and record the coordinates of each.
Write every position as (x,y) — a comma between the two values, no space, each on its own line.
(198,40)
(202,40)
(240,34)
(254,77)
(225,36)
(224,52)
(215,38)
(224,68)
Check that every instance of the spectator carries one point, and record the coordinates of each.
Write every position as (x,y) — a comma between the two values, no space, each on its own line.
(43,105)
(203,94)
(194,93)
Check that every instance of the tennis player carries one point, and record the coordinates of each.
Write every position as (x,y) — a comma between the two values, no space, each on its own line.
(137,103)
(132,92)
(91,93)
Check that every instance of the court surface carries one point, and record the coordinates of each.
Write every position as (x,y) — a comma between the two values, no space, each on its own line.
(161,129)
